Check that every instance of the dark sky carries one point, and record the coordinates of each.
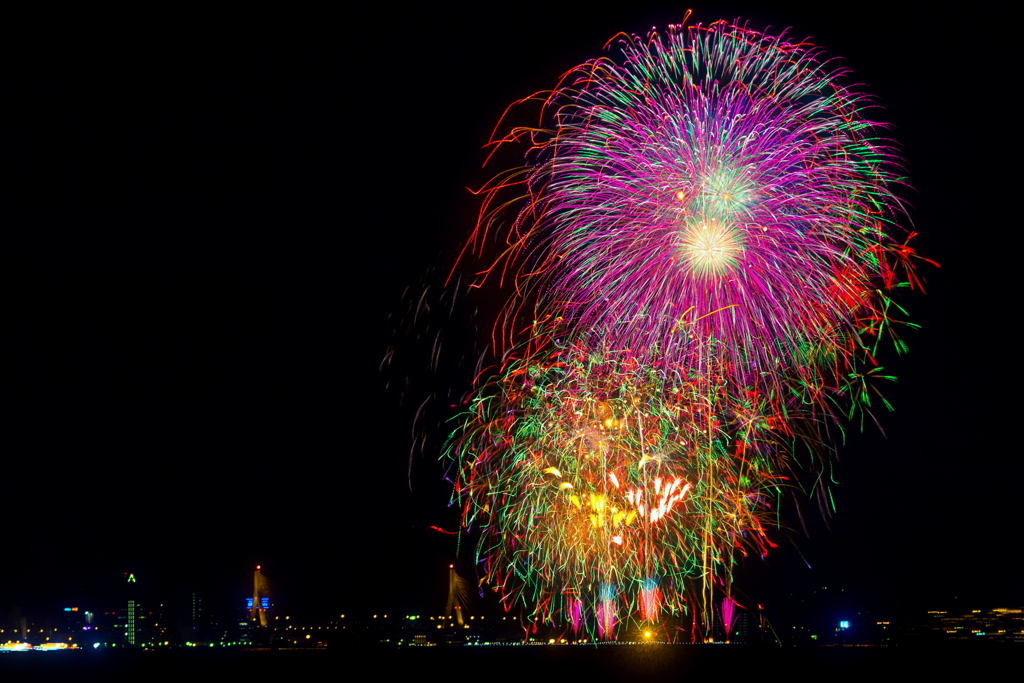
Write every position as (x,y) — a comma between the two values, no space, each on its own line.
(208,226)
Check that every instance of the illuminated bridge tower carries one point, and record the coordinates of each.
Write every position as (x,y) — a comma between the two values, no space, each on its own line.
(456,597)
(259,603)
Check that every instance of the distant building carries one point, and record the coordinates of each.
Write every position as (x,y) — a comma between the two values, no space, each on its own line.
(999,625)
(131,621)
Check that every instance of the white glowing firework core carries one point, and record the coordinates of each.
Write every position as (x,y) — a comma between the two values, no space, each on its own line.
(710,247)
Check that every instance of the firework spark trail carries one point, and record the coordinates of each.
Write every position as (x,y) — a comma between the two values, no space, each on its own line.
(705,246)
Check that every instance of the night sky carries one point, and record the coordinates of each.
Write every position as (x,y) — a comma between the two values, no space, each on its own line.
(212,229)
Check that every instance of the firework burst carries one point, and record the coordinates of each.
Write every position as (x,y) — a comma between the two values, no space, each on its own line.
(605,488)
(705,244)
(713,197)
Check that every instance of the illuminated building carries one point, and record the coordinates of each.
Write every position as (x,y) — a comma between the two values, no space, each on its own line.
(999,625)
(130,618)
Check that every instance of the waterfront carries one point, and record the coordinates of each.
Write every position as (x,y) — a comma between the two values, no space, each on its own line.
(593,663)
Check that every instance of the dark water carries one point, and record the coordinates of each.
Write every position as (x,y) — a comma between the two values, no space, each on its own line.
(576,663)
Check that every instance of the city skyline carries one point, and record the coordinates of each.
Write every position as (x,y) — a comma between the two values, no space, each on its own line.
(144,617)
